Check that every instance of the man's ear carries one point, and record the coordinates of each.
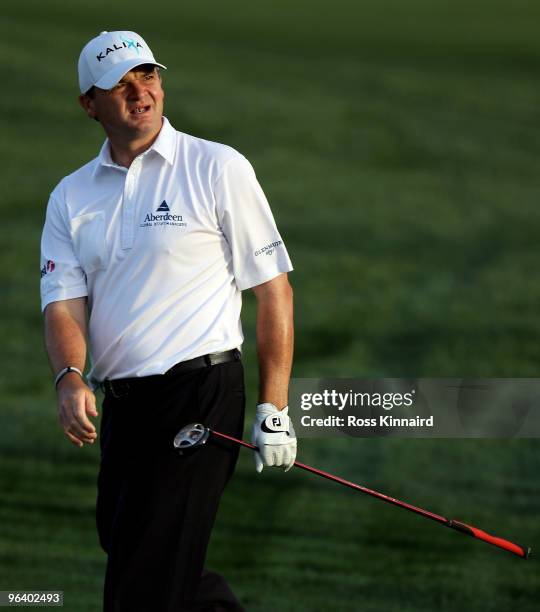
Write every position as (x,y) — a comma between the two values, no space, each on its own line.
(87,104)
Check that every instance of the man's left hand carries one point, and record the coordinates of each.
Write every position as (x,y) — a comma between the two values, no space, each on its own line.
(273,434)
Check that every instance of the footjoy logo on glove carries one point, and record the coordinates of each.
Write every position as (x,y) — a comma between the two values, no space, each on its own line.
(274,423)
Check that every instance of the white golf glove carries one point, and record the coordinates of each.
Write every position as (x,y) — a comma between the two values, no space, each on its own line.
(273,434)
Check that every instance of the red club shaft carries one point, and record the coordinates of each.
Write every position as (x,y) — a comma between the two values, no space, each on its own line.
(521,551)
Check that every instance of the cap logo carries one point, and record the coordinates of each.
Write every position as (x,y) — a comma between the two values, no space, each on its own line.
(131,43)
(126,44)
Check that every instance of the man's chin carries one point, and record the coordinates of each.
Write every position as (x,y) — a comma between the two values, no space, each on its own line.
(146,124)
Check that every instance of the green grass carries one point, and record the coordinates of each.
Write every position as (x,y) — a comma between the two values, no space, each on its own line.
(398,144)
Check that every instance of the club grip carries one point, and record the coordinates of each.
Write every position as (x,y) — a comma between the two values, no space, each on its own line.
(521,551)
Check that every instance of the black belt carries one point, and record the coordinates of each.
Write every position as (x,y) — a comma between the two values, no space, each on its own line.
(120,387)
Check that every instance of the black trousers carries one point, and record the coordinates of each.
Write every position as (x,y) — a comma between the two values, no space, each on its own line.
(156,509)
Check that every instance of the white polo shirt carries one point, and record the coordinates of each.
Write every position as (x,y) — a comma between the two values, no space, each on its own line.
(162,250)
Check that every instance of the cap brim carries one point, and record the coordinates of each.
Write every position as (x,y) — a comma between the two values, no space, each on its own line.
(112,77)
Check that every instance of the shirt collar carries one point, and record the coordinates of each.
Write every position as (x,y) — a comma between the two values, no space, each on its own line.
(164,145)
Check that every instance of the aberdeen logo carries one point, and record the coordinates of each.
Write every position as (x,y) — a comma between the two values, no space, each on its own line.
(127,43)
(163,219)
(47,268)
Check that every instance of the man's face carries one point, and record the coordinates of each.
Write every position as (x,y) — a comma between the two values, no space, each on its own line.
(132,109)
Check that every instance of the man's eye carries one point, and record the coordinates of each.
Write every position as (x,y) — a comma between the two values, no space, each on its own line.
(148,77)
(117,87)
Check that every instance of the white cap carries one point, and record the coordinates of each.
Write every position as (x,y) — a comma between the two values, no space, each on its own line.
(109,56)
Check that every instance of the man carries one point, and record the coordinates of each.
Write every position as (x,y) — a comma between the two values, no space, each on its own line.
(145,252)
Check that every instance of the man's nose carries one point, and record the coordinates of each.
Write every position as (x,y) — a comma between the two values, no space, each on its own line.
(136,88)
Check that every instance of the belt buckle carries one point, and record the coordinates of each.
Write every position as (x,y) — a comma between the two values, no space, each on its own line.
(222,357)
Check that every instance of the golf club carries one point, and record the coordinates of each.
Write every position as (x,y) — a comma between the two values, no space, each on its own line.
(196,435)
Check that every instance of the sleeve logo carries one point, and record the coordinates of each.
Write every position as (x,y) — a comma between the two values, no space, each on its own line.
(48,267)
(268,249)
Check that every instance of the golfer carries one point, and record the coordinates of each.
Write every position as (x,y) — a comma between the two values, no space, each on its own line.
(145,252)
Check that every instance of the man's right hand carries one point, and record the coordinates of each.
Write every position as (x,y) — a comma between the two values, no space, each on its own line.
(76,403)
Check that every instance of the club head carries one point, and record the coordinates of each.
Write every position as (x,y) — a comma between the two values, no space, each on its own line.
(191,437)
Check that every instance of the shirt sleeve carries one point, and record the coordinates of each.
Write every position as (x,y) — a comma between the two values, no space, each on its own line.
(258,251)
(62,277)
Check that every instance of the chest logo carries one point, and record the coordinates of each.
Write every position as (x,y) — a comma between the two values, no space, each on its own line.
(164,217)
